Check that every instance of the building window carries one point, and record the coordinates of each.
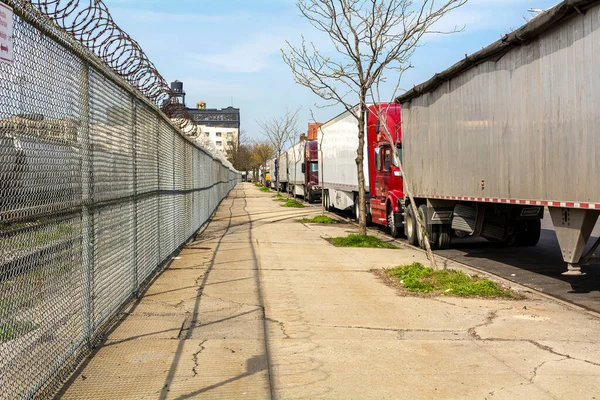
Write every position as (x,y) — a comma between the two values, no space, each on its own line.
(219,143)
(207,134)
(218,134)
(230,136)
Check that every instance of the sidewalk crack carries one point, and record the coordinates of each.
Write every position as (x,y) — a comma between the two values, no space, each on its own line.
(241,304)
(195,357)
(281,326)
(490,319)
(565,356)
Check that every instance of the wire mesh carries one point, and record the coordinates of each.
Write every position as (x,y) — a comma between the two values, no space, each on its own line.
(97,190)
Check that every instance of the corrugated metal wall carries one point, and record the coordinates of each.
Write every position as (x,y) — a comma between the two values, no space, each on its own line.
(527,124)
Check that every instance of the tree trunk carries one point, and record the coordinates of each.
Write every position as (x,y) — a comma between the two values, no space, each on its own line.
(362,218)
(320,149)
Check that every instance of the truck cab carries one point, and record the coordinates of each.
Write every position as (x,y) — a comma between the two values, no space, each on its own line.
(310,168)
(385,178)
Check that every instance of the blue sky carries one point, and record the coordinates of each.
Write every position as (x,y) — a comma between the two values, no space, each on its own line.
(229,50)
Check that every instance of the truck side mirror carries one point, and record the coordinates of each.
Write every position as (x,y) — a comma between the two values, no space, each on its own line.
(303,168)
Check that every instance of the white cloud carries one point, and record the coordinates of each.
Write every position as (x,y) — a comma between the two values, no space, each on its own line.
(147,16)
(251,56)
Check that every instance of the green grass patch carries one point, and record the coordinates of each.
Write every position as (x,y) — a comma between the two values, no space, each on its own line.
(293,203)
(12,329)
(418,278)
(354,240)
(319,219)
(257,184)
(265,189)
(38,236)
(279,197)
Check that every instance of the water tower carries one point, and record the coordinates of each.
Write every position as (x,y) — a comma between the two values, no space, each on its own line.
(177,88)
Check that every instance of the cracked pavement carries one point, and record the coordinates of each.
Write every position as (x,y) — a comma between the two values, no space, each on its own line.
(260,306)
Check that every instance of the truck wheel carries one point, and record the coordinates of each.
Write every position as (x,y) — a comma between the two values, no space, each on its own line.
(356,209)
(528,232)
(391,220)
(326,200)
(309,198)
(410,226)
(428,230)
(444,236)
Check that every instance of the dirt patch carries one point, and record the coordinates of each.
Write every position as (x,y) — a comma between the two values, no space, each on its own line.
(395,283)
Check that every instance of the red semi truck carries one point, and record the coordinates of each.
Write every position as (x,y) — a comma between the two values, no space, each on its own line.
(339,142)
(383,180)
(304,170)
(311,171)
(387,204)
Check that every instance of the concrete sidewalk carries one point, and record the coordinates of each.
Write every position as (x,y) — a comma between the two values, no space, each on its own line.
(260,306)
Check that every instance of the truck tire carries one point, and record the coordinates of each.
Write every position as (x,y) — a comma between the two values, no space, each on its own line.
(432,234)
(391,220)
(444,236)
(326,200)
(528,232)
(410,227)
(355,209)
(309,198)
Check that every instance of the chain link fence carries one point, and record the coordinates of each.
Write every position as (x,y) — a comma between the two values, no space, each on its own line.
(97,191)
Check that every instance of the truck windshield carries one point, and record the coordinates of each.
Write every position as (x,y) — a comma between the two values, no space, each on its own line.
(314,166)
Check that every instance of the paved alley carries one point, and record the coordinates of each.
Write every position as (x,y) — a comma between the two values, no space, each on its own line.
(260,306)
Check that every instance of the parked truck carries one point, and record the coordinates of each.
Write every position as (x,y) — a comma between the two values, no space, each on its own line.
(283,171)
(304,170)
(383,181)
(488,143)
(514,129)
(273,171)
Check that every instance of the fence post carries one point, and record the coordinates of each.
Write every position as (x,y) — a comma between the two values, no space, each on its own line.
(134,130)
(87,213)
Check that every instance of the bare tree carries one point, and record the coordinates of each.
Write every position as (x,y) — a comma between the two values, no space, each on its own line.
(371,38)
(280,131)
(260,154)
(381,114)
(239,152)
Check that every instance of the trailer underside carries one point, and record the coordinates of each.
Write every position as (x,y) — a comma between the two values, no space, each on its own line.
(511,224)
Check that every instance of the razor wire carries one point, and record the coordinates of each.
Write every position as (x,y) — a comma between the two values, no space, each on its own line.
(98,189)
(91,24)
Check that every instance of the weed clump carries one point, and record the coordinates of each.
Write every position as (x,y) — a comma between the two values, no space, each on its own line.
(418,278)
(354,240)
(319,219)
(293,203)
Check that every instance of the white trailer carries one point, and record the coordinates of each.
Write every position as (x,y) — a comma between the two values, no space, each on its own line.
(283,171)
(338,140)
(295,162)
(272,171)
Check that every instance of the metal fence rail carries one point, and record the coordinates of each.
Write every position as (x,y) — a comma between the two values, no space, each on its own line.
(97,190)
